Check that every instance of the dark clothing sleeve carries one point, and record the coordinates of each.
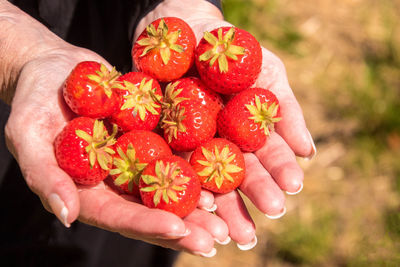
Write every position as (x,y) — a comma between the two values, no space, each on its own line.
(105,27)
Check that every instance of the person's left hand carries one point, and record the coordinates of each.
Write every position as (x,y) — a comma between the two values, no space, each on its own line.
(271,170)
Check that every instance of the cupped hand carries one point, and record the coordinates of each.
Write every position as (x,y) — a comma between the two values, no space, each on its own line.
(38,114)
(273,169)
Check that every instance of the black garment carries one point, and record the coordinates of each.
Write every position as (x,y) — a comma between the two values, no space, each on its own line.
(29,235)
(105,27)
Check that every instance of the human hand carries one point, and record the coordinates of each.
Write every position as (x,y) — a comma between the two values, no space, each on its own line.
(272,169)
(38,114)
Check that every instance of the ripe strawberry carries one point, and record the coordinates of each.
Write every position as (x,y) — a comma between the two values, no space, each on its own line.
(165,49)
(139,109)
(228,59)
(219,164)
(83,150)
(135,149)
(89,90)
(248,118)
(187,126)
(192,89)
(170,183)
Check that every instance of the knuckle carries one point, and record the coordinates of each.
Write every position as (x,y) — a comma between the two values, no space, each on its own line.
(276,205)
(30,180)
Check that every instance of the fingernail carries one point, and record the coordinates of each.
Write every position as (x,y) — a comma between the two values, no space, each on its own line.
(277,216)
(213,208)
(295,193)
(59,209)
(314,149)
(207,255)
(248,246)
(225,242)
(175,235)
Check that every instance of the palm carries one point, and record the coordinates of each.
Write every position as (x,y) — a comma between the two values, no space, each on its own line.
(273,168)
(38,115)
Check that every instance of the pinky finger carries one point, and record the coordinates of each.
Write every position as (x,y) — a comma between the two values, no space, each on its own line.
(206,201)
(233,211)
(199,242)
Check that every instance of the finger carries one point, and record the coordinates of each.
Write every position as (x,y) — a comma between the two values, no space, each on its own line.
(109,211)
(206,201)
(199,242)
(232,210)
(292,127)
(112,212)
(261,189)
(280,161)
(211,223)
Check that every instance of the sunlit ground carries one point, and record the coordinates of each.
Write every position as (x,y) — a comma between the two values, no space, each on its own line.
(343,62)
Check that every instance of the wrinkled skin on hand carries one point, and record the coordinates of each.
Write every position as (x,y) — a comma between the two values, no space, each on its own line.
(273,169)
(38,114)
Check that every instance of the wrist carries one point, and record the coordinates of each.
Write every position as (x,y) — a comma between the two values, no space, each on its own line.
(197,13)
(22,40)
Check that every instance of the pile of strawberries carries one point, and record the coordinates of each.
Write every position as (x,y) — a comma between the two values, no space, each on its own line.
(129,125)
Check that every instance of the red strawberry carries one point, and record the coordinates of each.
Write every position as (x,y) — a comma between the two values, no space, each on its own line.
(89,90)
(248,118)
(83,150)
(187,126)
(228,59)
(165,49)
(192,89)
(219,164)
(135,149)
(170,184)
(139,109)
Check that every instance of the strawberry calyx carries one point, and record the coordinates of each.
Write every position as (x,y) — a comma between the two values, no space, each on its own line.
(128,167)
(171,98)
(170,102)
(161,39)
(218,165)
(222,49)
(166,182)
(106,79)
(142,98)
(264,114)
(172,122)
(99,144)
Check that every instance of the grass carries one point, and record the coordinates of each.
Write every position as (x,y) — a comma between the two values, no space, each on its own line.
(392,224)
(265,21)
(305,242)
(373,103)
(377,100)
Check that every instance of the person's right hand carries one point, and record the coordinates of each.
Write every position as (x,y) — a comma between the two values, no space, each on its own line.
(38,114)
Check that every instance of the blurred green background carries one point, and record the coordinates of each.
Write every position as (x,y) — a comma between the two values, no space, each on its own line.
(343,62)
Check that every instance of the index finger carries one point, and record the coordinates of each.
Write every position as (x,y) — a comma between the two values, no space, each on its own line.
(292,127)
(109,211)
